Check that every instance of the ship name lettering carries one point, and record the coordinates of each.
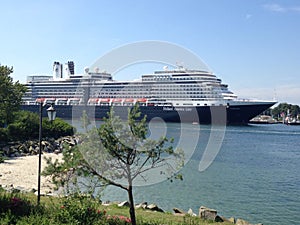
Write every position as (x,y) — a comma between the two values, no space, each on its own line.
(168,108)
(183,109)
(179,109)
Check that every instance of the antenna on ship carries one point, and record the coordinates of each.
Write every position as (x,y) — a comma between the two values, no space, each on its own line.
(180,65)
(86,70)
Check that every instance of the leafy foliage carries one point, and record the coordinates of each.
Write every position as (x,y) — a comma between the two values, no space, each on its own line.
(286,108)
(14,207)
(26,126)
(11,94)
(57,128)
(79,209)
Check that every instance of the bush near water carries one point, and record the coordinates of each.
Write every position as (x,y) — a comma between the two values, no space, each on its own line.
(25,126)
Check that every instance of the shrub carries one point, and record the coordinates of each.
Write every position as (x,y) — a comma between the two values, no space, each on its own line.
(12,207)
(79,209)
(57,128)
(26,126)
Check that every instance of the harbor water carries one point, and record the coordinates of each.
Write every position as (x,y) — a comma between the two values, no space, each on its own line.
(255,175)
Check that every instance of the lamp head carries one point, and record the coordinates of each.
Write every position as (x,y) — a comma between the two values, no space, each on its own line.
(51,113)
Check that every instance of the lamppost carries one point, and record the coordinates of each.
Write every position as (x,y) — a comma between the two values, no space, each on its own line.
(51,115)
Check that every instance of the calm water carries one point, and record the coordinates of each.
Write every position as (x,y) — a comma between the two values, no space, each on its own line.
(255,176)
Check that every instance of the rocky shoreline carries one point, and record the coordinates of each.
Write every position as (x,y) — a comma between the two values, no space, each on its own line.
(204,212)
(26,148)
(19,174)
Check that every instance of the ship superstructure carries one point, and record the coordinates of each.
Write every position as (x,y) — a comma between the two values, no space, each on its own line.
(158,93)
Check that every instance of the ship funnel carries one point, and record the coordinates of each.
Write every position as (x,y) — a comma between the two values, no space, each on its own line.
(68,69)
(57,70)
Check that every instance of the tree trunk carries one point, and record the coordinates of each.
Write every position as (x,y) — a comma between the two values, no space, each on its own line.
(131,205)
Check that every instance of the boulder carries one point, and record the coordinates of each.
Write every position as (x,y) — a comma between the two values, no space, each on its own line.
(16,154)
(31,149)
(106,203)
(12,151)
(33,190)
(142,205)
(191,213)
(5,150)
(231,219)
(154,207)
(36,150)
(123,204)
(46,149)
(207,213)
(219,219)
(57,151)
(178,211)
(23,148)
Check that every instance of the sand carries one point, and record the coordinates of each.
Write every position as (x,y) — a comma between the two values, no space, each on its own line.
(22,173)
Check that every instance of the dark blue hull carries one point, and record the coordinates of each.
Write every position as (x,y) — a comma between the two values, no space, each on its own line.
(240,114)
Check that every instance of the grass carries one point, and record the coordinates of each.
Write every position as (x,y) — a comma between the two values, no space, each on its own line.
(21,208)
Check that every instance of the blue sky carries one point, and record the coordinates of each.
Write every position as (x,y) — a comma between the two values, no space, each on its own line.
(254,46)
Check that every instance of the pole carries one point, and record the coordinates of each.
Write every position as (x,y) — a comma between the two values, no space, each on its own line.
(40,153)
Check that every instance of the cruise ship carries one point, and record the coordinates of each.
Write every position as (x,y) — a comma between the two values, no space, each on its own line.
(173,95)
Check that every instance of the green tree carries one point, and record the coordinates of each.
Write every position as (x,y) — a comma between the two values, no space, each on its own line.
(11,94)
(292,110)
(117,154)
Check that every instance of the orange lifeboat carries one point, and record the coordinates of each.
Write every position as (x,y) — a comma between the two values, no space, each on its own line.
(130,100)
(105,100)
(142,100)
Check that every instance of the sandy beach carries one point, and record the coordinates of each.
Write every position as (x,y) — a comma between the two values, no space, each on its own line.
(22,173)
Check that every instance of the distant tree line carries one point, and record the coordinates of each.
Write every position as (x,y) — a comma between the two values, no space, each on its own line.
(286,109)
